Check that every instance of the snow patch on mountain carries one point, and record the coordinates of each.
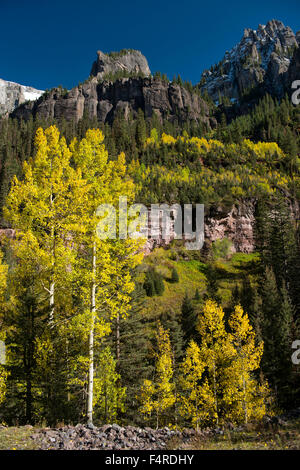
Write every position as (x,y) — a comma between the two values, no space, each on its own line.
(13,94)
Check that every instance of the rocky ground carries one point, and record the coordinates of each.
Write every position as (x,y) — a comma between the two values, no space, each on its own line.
(274,433)
(108,437)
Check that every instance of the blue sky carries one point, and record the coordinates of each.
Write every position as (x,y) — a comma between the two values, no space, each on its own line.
(45,43)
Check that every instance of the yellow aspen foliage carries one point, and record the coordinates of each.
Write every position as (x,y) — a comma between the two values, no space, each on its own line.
(46,203)
(217,381)
(3,379)
(105,275)
(168,139)
(3,280)
(158,396)
(216,350)
(109,396)
(196,401)
(244,397)
(146,397)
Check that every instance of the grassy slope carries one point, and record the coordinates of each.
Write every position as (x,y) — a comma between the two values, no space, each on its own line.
(192,276)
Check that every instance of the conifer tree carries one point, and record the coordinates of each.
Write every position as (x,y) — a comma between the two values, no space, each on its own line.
(270,325)
(189,318)
(174,276)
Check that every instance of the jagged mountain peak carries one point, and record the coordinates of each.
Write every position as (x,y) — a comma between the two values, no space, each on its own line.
(262,56)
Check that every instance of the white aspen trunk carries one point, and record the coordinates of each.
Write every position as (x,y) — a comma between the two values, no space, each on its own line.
(51,294)
(91,342)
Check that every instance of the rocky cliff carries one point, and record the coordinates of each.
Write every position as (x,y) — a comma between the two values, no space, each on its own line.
(260,60)
(103,100)
(235,223)
(12,95)
(127,60)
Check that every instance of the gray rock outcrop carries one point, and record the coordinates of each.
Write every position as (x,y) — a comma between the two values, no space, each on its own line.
(127,60)
(12,95)
(104,99)
(261,59)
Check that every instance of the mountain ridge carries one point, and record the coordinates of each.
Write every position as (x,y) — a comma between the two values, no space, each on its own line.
(266,60)
(260,60)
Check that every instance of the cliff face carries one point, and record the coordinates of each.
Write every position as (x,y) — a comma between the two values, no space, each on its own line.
(129,61)
(104,99)
(235,223)
(12,95)
(103,95)
(261,59)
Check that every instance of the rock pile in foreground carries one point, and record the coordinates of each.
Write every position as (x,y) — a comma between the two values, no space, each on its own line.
(108,437)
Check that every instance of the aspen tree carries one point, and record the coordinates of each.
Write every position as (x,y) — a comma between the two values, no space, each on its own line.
(106,272)
(196,399)
(158,396)
(243,395)
(44,203)
(215,349)
(108,395)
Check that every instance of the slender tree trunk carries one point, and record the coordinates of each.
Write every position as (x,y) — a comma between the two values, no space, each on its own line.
(51,294)
(91,341)
(215,392)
